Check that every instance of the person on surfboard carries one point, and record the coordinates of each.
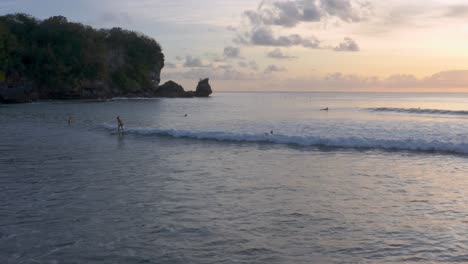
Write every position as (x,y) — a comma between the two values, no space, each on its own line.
(120,125)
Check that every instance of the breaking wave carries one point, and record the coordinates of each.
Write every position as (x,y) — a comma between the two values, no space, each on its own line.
(308,140)
(419,111)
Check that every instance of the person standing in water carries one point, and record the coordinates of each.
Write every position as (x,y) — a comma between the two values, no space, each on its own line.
(120,125)
(69,120)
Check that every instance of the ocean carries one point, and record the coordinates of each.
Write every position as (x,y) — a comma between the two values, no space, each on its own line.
(243,178)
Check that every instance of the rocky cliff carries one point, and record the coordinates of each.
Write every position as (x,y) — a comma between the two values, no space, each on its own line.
(57,59)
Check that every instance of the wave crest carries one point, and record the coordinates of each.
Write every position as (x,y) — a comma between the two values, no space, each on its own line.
(309,140)
(419,111)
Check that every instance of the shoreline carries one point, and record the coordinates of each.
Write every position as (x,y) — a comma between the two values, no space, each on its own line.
(113,99)
(170,89)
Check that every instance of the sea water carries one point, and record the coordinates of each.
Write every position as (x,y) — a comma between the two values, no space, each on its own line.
(243,178)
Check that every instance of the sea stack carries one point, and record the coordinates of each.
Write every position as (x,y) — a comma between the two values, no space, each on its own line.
(170,89)
(203,88)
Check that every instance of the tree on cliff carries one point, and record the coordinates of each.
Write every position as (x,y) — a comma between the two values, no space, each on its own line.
(62,59)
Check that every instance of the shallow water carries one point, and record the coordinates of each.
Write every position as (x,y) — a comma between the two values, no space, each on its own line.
(351,185)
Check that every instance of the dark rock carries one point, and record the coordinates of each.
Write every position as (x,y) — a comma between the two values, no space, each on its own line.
(203,88)
(189,94)
(155,74)
(94,89)
(17,90)
(120,63)
(171,89)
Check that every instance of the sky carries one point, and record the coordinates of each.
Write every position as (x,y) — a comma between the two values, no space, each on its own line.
(291,45)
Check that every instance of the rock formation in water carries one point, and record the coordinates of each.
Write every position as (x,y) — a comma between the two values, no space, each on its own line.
(170,89)
(203,88)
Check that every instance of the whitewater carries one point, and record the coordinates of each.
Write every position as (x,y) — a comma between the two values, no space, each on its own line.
(420,111)
(358,142)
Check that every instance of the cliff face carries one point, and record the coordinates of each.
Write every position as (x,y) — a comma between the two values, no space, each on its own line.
(57,59)
(17,90)
(21,89)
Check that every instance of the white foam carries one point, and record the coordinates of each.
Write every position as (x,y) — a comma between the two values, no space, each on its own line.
(409,144)
(419,111)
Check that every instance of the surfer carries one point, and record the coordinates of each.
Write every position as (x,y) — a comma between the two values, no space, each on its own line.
(271,132)
(185,115)
(324,109)
(120,125)
(69,120)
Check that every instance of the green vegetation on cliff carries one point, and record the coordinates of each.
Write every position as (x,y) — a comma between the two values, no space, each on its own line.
(58,59)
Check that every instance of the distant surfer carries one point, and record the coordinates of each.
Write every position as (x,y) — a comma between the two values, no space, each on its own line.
(69,120)
(271,132)
(120,125)
(324,109)
(185,115)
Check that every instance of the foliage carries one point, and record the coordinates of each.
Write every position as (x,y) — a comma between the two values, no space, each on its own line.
(59,56)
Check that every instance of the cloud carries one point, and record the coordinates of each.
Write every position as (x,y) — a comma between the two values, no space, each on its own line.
(457,11)
(278,54)
(347,45)
(414,16)
(273,13)
(274,68)
(191,62)
(287,14)
(455,78)
(222,72)
(170,65)
(249,64)
(342,9)
(445,80)
(225,67)
(291,13)
(231,28)
(439,81)
(110,19)
(263,36)
(401,80)
(253,65)
(231,52)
